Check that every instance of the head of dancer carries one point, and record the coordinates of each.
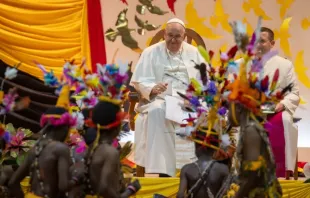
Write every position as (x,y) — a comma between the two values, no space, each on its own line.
(107,117)
(56,121)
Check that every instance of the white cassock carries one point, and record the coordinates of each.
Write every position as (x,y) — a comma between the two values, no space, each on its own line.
(290,101)
(156,145)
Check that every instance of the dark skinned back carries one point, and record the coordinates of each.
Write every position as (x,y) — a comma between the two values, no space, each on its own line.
(105,165)
(54,162)
(190,174)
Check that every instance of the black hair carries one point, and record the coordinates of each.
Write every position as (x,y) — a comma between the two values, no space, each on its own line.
(86,113)
(90,135)
(269,31)
(105,113)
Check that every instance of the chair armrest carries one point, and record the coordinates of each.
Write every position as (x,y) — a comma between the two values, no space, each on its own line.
(133,99)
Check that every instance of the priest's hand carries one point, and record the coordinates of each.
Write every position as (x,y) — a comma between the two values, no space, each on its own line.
(279,107)
(159,88)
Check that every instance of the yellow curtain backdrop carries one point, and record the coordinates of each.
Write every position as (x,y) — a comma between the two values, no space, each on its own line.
(169,188)
(46,31)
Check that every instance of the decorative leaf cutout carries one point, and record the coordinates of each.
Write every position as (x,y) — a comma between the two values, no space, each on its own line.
(10,128)
(21,158)
(28,143)
(14,153)
(27,132)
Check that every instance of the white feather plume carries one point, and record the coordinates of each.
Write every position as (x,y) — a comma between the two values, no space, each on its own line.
(80,120)
(10,73)
(225,141)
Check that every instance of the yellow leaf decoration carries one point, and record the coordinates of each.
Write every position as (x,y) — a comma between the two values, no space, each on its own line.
(284,6)
(284,35)
(197,23)
(305,23)
(255,5)
(301,69)
(249,28)
(220,17)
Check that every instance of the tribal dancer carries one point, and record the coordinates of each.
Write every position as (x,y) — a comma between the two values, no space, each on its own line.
(249,92)
(103,157)
(207,177)
(49,160)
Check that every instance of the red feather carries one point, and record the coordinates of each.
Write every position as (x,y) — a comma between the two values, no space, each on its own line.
(275,80)
(171,5)
(124,1)
(211,53)
(264,84)
(232,52)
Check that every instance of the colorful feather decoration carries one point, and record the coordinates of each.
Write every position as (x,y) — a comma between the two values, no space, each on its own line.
(232,52)
(49,77)
(203,72)
(274,80)
(264,84)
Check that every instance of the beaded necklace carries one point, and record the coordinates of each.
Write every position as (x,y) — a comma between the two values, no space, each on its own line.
(35,165)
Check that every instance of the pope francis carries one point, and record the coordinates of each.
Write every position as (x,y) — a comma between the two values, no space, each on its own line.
(163,68)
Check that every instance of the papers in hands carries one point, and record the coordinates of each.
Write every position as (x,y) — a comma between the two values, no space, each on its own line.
(174,111)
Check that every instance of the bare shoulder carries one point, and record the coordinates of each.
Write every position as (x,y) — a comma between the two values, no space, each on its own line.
(185,170)
(222,168)
(108,151)
(60,148)
(186,167)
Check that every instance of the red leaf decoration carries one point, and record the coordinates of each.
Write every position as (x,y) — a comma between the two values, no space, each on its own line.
(171,5)
(124,1)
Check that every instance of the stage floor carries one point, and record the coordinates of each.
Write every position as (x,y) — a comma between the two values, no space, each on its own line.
(169,187)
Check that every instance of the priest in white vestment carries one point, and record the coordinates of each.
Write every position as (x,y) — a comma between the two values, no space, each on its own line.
(167,63)
(283,133)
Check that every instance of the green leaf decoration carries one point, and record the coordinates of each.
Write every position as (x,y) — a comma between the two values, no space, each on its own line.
(21,158)
(10,128)
(14,154)
(29,143)
(27,132)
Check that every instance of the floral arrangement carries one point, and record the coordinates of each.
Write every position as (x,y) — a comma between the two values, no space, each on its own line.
(17,143)
(77,141)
